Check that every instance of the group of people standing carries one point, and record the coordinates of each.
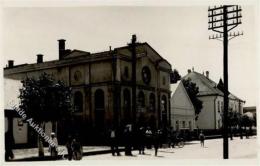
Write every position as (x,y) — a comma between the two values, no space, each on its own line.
(139,139)
(73,146)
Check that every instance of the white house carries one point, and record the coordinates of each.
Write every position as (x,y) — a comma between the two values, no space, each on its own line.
(182,110)
(210,116)
(14,122)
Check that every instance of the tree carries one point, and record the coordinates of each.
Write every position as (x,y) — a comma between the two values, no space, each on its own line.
(233,121)
(175,76)
(247,121)
(192,91)
(220,85)
(44,100)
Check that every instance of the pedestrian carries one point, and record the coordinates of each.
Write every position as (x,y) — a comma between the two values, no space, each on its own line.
(202,138)
(149,137)
(53,147)
(9,143)
(76,149)
(169,137)
(114,142)
(69,147)
(156,141)
(128,140)
(141,140)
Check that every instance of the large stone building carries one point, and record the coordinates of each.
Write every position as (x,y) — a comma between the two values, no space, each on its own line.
(211,114)
(103,84)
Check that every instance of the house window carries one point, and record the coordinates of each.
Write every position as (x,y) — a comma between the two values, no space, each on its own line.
(190,125)
(183,124)
(20,122)
(219,106)
(177,125)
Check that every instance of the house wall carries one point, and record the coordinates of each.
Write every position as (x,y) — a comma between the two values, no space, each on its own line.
(20,131)
(206,118)
(182,110)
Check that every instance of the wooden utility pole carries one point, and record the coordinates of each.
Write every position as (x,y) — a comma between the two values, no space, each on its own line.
(223,19)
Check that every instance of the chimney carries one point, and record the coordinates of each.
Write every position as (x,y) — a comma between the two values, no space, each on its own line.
(189,71)
(133,38)
(10,63)
(39,58)
(207,74)
(61,48)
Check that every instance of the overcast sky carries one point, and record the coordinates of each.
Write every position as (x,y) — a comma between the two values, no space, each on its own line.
(179,34)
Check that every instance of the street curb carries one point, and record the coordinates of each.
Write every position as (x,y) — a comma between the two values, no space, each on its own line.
(60,157)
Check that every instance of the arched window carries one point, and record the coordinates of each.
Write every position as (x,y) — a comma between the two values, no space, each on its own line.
(219,106)
(141,99)
(152,102)
(78,102)
(99,109)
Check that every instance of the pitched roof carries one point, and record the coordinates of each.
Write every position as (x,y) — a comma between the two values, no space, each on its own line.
(177,85)
(206,85)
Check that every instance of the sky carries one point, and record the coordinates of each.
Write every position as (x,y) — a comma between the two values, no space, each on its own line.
(178,33)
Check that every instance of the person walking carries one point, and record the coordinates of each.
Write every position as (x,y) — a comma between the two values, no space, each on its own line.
(53,148)
(149,137)
(114,142)
(69,148)
(9,142)
(156,141)
(141,140)
(128,141)
(202,139)
(76,149)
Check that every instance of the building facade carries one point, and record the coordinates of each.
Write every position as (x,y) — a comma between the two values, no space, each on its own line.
(211,114)
(103,87)
(182,110)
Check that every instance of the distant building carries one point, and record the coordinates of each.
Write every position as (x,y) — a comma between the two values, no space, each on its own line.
(210,116)
(102,85)
(251,110)
(182,110)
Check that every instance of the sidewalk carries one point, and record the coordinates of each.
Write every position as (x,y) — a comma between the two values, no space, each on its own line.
(32,153)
